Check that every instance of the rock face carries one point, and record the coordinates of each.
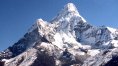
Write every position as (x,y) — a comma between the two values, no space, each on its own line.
(66,40)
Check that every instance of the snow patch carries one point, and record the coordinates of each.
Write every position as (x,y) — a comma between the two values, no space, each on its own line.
(93,52)
(111,29)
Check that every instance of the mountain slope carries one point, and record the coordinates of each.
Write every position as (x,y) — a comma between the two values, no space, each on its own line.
(66,40)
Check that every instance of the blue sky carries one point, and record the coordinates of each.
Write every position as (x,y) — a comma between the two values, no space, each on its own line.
(17,16)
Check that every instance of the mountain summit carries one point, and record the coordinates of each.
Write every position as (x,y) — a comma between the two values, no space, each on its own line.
(70,7)
(68,12)
(66,40)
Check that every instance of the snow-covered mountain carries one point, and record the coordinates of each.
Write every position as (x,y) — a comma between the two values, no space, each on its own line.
(68,39)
